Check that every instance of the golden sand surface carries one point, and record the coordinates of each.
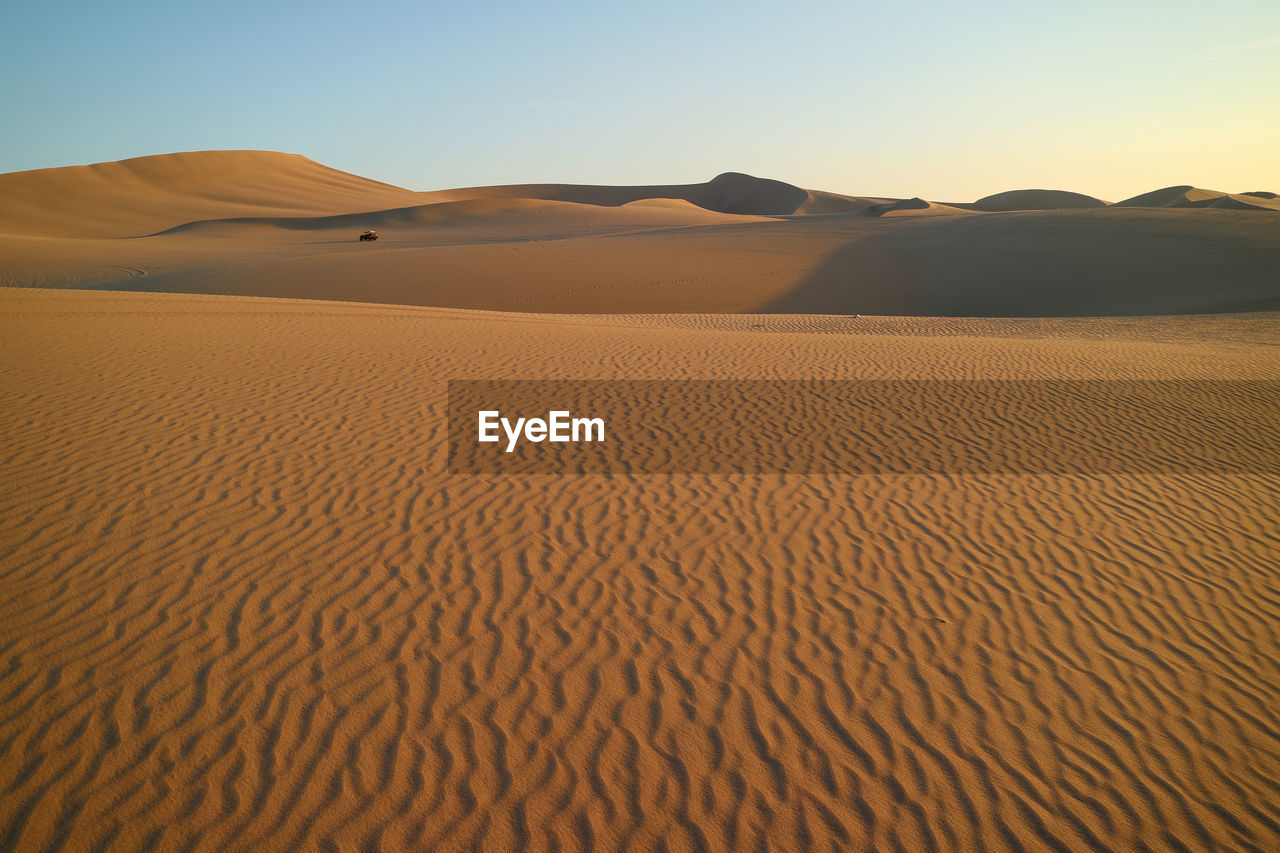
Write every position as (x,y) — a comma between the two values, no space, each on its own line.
(245,606)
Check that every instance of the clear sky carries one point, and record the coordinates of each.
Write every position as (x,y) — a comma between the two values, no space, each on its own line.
(946,100)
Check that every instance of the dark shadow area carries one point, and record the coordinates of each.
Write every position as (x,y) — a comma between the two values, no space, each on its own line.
(1050,264)
(731,192)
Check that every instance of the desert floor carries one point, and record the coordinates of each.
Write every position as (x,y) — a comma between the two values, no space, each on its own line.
(245,607)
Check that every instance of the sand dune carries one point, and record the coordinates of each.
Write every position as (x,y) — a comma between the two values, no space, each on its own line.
(144,195)
(731,192)
(245,608)
(1188,196)
(1036,200)
(265,224)
(556,256)
(915,207)
(505,218)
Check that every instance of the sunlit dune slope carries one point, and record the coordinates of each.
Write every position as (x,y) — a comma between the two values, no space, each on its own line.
(1194,197)
(143,195)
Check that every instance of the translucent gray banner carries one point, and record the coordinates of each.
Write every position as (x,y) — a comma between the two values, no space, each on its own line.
(863,426)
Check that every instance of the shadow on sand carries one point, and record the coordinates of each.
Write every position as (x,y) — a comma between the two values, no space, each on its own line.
(1047,264)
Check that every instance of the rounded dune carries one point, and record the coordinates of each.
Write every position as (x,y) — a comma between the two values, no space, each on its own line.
(143,195)
(1244,201)
(1177,196)
(730,192)
(1189,196)
(1036,200)
(495,218)
(734,192)
(681,211)
(915,207)
(825,203)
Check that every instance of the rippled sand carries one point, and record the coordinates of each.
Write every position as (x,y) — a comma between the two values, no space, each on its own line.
(244,606)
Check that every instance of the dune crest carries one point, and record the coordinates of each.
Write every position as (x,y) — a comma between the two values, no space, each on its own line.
(143,195)
(915,207)
(730,192)
(1036,200)
(509,218)
(1187,196)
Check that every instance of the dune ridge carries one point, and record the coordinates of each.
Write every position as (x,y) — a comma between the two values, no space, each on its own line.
(1194,197)
(245,608)
(510,218)
(915,207)
(262,223)
(729,192)
(128,198)
(1036,200)
(151,194)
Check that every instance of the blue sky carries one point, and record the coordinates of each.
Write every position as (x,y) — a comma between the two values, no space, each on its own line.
(945,100)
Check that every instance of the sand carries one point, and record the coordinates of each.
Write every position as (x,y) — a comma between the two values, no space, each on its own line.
(246,607)
(264,224)
(1036,200)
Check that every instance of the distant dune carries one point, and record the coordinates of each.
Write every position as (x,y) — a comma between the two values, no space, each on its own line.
(1036,200)
(915,207)
(1187,196)
(510,218)
(259,223)
(730,192)
(130,198)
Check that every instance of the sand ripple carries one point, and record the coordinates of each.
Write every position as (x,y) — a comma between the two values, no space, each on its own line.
(243,608)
